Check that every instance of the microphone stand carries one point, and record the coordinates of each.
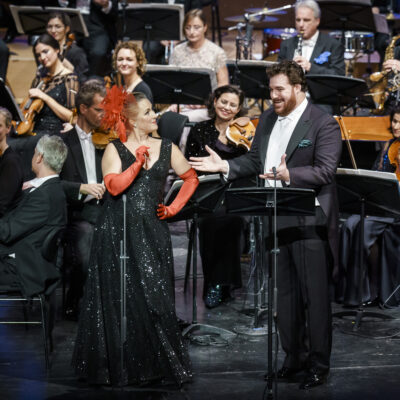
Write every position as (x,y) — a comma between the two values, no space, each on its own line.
(123,258)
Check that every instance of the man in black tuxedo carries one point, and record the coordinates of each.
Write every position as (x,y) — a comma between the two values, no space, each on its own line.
(24,229)
(304,144)
(82,179)
(320,54)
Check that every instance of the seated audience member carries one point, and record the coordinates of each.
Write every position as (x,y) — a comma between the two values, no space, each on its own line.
(82,178)
(221,236)
(24,229)
(381,243)
(129,62)
(11,174)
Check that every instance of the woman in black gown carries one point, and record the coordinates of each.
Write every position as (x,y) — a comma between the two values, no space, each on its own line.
(221,237)
(154,349)
(381,244)
(11,175)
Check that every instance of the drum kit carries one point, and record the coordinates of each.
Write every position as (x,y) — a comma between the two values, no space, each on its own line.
(356,43)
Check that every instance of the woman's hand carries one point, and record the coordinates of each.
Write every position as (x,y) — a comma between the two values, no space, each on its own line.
(37,93)
(142,153)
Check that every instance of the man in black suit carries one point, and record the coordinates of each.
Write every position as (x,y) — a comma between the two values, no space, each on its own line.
(82,181)
(304,144)
(24,229)
(320,53)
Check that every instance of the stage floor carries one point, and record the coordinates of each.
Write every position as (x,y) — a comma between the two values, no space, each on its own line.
(362,367)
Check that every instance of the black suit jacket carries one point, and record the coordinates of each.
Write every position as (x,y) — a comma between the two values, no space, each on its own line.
(24,229)
(73,175)
(335,64)
(310,167)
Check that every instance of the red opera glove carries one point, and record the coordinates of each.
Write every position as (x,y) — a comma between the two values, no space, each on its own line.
(190,183)
(117,183)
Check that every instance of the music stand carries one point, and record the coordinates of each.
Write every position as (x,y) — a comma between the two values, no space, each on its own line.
(180,85)
(205,201)
(152,21)
(269,202)
(32,20)
(7,101)
(251,77)
(340,91)
(372,193)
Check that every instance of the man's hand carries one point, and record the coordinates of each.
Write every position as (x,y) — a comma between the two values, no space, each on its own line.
(282,173)
(212,163)
(303,62)
(391,65)
(95,189)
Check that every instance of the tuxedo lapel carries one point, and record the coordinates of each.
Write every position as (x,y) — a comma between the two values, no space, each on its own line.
(76,151)
(299,132)
(268,126)
(318,48)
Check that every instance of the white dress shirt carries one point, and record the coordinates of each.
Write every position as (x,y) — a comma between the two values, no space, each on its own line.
(35,183)
(279,139)
(89,156)
(308,46)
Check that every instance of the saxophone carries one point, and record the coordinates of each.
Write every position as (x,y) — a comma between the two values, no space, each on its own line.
(379,88)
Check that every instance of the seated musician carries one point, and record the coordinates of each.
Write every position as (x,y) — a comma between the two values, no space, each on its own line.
(220,236)
(381,242)
(318,53)
(73,56)
(24,229)
(55,86)
(11,175)
(129,61)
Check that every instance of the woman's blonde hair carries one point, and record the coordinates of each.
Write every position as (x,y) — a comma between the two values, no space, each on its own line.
(140,56)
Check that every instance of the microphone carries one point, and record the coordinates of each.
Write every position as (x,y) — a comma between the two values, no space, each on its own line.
(274,171)
(249,32)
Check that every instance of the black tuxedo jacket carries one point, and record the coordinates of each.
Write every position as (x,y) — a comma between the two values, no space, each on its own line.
(335,64)
(24,229)
(312,165)
(73,175)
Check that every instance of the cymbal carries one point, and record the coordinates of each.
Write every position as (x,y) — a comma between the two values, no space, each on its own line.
(256,10)
(240,18)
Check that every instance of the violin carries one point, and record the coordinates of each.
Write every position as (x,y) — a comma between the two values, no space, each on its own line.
(393,153)
(241,132)
(30,108)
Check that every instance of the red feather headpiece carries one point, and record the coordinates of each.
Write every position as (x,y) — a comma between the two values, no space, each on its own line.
(113,105)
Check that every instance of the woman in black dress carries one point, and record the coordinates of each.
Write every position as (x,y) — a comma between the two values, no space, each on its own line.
(134,169)
(221,237)
(73,56)
(11,175)
(129,62)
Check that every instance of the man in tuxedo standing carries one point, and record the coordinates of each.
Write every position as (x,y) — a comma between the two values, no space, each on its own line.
(304,144)
(320,53)
(82,179)
(24,229)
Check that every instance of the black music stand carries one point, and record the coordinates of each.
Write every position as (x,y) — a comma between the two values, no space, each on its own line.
(179,85)
(251,77)
(205,201)
(339,91)
(366,192)
(153,21)
(269,202)
(32,20)
(7,101)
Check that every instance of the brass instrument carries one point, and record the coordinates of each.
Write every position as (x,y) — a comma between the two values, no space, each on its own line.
(380,80)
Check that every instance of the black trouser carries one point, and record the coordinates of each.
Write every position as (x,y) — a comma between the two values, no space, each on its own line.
(304,309)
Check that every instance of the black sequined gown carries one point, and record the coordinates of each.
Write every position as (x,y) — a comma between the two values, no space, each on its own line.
(154,347)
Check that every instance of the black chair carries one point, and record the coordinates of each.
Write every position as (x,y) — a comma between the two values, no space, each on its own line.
(171,124)
(215,21)
(46,301)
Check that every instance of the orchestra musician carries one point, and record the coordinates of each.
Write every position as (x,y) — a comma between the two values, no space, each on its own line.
(320,53)
(221,236)
(11,174)
(129,61)
(59,26)
(381,241)
(304,144)
(82,178)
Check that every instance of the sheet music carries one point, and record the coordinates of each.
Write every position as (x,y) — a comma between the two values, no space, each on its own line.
(389,176)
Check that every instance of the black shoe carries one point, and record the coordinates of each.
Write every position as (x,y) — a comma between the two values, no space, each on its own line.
(313,379)
(213,297)
(286,374)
